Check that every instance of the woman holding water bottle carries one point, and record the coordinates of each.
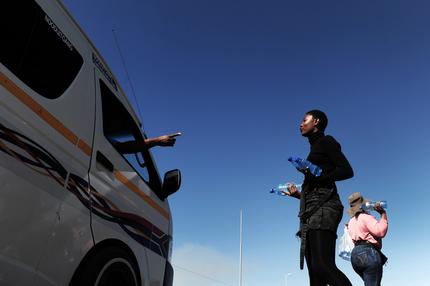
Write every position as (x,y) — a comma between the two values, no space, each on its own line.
(320,207)
(367,233)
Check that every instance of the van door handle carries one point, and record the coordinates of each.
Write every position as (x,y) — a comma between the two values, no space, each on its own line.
(105,162)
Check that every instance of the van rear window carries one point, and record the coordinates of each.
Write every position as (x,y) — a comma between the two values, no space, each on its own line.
(35,49)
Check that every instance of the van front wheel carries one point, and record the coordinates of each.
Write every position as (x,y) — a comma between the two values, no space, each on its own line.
(109,267)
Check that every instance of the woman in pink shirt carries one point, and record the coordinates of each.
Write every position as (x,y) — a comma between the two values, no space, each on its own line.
(367,233)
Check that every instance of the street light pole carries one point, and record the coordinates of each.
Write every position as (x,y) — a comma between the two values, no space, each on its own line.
(240,248)
(286,278)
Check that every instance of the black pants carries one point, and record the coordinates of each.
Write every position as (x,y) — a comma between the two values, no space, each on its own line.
(320,259)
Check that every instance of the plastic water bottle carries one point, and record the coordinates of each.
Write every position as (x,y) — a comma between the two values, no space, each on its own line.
(303,164)
(282,188)
(370,206)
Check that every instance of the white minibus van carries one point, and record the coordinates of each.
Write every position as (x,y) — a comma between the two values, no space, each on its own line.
(74,209)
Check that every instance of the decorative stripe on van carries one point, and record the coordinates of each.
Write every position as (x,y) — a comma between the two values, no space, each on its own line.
(35,157)
(39,110)
(123,179)
(84,147)
(137,227)
(44,114)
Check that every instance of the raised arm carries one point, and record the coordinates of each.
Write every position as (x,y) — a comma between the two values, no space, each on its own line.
(377,228)
(130,147)
(164,140)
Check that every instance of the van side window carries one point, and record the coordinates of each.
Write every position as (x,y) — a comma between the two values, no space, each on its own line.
(35,49)
(119,127)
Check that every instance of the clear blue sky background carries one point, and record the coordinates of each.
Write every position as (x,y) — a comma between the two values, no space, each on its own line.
(236,77)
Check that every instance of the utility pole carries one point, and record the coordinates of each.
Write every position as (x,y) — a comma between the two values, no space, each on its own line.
(286,278)
(240,248)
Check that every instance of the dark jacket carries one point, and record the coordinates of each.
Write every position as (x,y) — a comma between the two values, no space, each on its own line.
(320,206)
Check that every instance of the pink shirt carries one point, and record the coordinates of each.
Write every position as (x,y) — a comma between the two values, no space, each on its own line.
(366,227)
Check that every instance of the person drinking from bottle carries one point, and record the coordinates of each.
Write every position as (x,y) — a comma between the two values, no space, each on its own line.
(367,233)
(320,207)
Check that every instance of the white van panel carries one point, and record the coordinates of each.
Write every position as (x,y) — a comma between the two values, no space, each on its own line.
(63,128)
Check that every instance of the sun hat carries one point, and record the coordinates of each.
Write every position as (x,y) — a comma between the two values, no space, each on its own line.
(355,200)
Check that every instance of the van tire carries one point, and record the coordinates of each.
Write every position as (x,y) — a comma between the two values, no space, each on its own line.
(110,266)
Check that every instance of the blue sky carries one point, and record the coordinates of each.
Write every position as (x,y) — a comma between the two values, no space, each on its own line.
(236,77)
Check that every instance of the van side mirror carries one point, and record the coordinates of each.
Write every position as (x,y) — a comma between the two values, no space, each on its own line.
(171,182)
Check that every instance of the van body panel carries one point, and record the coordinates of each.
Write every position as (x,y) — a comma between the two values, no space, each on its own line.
(35,164)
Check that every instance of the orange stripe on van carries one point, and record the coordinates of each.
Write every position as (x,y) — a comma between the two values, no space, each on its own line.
(43,113)
(84,147)
(123,179)
(22,96)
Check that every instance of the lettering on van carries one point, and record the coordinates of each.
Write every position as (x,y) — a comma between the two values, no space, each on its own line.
(58,32)
(104,71)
